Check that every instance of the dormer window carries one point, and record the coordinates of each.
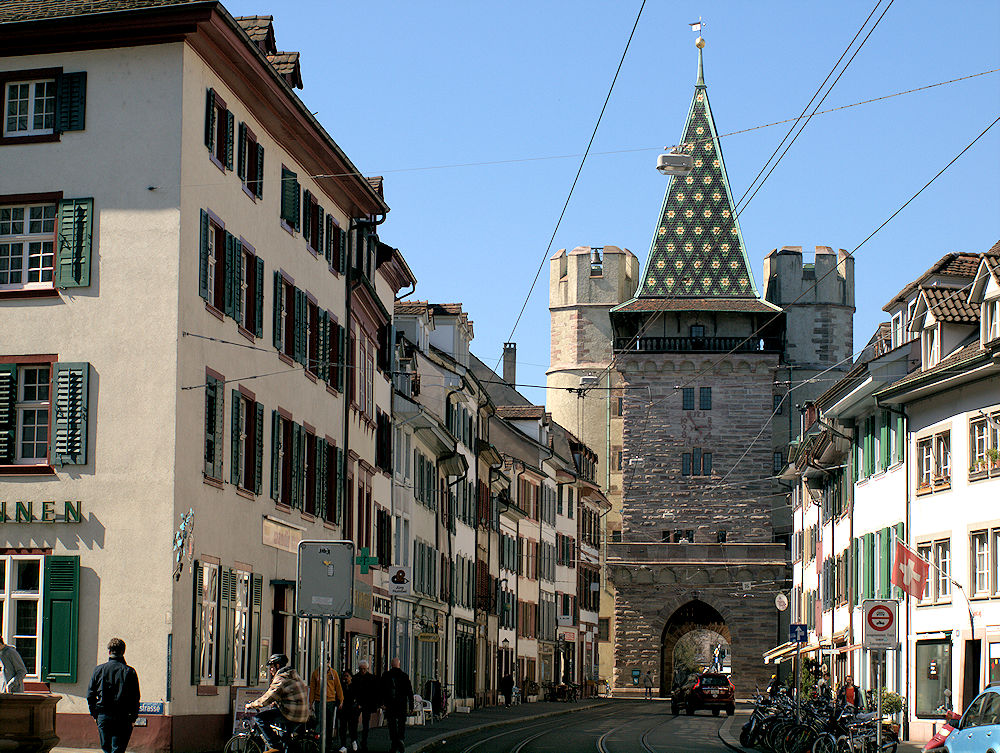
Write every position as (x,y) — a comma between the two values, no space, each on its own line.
(897,329)
(909,317)
(930,346)
(991,320)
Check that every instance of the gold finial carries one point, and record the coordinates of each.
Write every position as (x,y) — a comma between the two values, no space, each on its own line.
(700,43)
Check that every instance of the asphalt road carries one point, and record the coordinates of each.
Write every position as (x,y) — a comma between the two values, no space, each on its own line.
(625,727)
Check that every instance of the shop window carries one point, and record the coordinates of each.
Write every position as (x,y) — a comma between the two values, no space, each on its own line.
(933,661)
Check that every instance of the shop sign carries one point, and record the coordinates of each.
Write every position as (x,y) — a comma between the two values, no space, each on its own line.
(428,637)
(362,600)
(401,582)
(40,512)
(381,606)
(280,536)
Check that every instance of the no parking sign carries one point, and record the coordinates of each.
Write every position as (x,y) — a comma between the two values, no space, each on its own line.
(880,626)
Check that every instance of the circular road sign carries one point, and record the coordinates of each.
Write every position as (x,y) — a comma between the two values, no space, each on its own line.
(880,618)
(781,602)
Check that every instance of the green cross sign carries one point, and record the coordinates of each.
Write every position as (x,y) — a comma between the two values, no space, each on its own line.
(365,560)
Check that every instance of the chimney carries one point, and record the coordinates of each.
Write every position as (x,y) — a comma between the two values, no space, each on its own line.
(509,362)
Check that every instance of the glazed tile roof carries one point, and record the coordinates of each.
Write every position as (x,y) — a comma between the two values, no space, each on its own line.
(958,264)
(751,305)
(697,248)
(951,305)
(521,411)
(38,10)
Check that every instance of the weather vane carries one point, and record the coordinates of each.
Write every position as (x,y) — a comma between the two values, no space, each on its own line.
(697,26)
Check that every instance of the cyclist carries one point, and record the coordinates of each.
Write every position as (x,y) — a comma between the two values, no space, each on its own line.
(290,697)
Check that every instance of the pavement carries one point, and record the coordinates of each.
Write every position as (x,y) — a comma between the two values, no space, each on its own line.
(423,737)
(729,733)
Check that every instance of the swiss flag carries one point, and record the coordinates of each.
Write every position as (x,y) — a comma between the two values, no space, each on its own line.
(909,571)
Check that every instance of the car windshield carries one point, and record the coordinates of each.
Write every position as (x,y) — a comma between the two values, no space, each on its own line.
(714,681)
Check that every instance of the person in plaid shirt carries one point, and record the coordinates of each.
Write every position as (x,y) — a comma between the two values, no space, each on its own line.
(290,696)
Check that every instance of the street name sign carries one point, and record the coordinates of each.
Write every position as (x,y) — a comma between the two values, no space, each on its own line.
(880,628)
(325,579)
(798,633)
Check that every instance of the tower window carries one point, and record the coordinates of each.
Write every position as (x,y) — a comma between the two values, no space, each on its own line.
(705,398)
(776,407)
(720,536)
(665,536)
(688,398)
(697,330)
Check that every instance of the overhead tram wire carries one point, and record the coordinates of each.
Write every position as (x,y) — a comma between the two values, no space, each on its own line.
(579,170)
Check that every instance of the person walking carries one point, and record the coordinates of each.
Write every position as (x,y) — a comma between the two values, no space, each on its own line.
(507,688)
(647,683)
(12,669)
(366,691)
(397,697)
(113,698)
(290,696)
(348,717)
(334,699)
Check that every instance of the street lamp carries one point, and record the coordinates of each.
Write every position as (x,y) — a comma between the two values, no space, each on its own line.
(674,163)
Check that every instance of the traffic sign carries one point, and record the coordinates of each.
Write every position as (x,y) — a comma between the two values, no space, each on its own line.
(326,579)
(880,628)
(798,633)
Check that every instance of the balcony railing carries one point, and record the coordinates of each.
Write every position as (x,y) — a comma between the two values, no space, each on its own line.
(698,345)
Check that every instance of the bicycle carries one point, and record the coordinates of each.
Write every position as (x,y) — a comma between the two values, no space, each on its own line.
(299,738)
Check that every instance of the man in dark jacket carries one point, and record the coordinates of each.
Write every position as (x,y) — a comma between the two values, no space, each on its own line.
(113,697)
(397,697)
(366,691)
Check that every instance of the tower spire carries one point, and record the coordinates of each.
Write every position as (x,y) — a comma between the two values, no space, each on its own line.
(700,44)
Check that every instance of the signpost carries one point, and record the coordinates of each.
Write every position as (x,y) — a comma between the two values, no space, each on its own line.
(880,632)
(798,634)
(325,591)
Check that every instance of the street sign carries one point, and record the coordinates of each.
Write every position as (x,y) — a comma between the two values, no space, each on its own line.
(880,628)
(401,581)
(781,602)
(798,633)
(325,579)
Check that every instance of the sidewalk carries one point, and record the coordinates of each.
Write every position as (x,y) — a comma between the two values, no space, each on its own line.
(421,738)
(729,733)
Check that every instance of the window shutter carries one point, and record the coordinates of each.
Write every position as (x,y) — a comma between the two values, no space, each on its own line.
(341,357)
(318,240)
(259,448)
(259,187)
(241,152)
(8,391)
(235,445)
(70,382)
(307,201)
(258,325)
(210,120)
(298,466)
(231,299)
(60,618)
(277,333)
(71,101)
(886,547)
(253,652)
(897,592)
(275,454)
(289,198)
(869,590)
(203,238)
(885,449)
(230,128)
(218,431)
(196,572)
(322,368)
(301,325)
(320,463)
(341,474)
(225,653)
(900,438)
(342,250)
(329,238)
(74,242)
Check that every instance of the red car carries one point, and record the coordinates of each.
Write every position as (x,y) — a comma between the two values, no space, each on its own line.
(708,690)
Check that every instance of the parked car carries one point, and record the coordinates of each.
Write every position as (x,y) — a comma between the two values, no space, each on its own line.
(978,731)
(707,690)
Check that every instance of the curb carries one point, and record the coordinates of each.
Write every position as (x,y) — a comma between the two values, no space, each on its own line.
(423,745)
(725,735)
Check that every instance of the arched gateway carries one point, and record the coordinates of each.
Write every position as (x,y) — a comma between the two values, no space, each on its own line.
(695,637)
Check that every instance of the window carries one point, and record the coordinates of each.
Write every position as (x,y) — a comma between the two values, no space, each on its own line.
(312,337)
(934,462)
(942,568)
(720,536)
(991,320)
(219,130)
(32,415)
(290,199)
(230,276)
(335,246)
(696,463)
(697,330)
(933,675)
(930,341)
(776,406)
(30,108)
(996,561)
(20,607)
(38,105)
(247,442)
(214,400)
(984,443)
(687,394)
(27,246)
(250,162)
(897,330)
(980,561)
(251,292)
(704,398)
(241,627)
(208,608)
(312,222)
(778,462)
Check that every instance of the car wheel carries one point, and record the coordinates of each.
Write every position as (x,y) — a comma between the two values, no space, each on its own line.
(715,712)
(730,711)
(690,710)
(674,709)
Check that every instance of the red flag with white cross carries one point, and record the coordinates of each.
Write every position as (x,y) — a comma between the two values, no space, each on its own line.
(910,570)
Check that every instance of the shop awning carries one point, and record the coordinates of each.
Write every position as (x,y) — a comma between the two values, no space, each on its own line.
(780,652)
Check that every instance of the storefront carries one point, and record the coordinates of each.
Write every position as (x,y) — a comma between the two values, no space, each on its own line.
(933,663)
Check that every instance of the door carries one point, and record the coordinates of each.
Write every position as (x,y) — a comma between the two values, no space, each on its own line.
(970,670)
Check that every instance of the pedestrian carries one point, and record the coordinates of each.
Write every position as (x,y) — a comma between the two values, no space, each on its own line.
(334,699)
(12,669)
(113,698)
(397,697)
(289,695)
(348,718)
(366,691)
(507,688)
(647,683)
(850,693)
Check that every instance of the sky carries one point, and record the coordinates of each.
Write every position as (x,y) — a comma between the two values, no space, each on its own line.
(478,114)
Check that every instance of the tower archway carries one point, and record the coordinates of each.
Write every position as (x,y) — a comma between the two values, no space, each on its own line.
(689,641)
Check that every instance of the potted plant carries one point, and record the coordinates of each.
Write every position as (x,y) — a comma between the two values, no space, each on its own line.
(994,455)
(530,691)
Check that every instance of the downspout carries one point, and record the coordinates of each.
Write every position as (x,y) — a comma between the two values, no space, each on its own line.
(451,559)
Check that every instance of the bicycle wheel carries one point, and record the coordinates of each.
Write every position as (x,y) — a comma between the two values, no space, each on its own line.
(308,746)
(243,743)
(825,743)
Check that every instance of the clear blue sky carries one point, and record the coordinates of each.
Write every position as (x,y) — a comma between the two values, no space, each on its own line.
(408,85)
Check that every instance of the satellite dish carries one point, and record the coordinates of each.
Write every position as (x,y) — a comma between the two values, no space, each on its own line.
(781,602)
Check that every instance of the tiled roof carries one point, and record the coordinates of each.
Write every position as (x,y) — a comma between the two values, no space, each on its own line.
(951,305)
(993,259)
(256,27)
(38,10)
(958,264)
(970,352)
(375,181)
(410,307)
(751,305)
(521,411)
(697,247)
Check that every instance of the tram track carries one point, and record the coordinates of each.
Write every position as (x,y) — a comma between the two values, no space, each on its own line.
(544,723)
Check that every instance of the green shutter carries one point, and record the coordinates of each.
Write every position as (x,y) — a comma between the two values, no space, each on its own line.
(277,333)
(230,128)
(306,224)
(886,448)
(296,450)
(897,592)
(341,356)
(301,327)
(320,463)
(210,120)
(869,565)
(203,251)
(275,454)
(60,618)
(322,367)
(241,152)
(197,577)
(318,240)
(339,494)
(71,101)
(231,297)
(330,237)
(220,413)
(253,651)
(900,438)
(227,610)
(70,387)
(259,448)
(258,324)
(235,445)
(885,546)
(342,249)
(8,422)
(289,198)
(73,245)
(259,188)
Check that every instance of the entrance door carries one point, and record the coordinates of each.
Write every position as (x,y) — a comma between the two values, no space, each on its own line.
(970,680)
